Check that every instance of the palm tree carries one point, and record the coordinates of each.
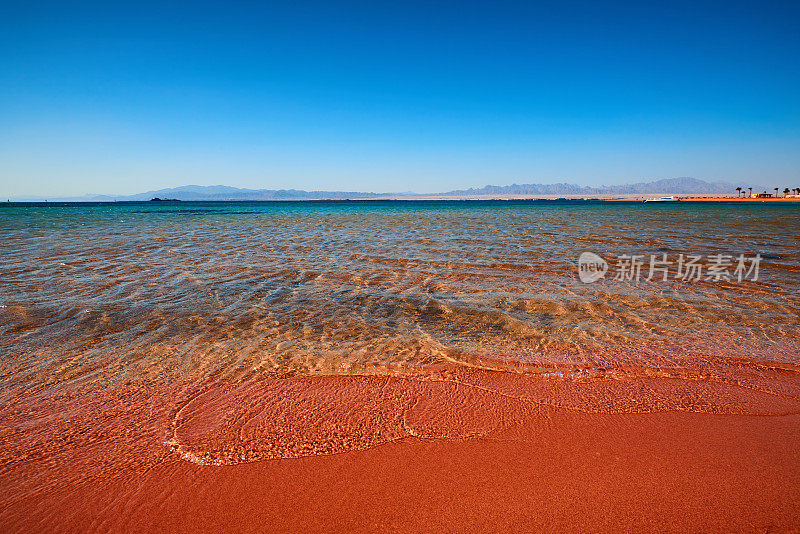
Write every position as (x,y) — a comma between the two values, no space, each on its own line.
(751,191)
(776,191)
(786,192)
(738,192)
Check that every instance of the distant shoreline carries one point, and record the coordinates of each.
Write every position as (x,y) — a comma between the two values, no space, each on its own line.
(439,198)
(711,199)
(741,199)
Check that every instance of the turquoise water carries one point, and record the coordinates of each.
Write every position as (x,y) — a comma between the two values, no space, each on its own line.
(93,293)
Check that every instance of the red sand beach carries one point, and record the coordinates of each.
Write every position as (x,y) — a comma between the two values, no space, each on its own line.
(396,367)
(100,461)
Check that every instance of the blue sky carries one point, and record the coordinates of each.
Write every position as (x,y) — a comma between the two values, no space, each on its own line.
(405,96)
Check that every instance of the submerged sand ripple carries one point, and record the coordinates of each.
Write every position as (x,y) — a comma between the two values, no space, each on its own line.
(287,418)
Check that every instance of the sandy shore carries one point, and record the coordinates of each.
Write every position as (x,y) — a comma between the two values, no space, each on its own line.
(97,462)
(741,199)
(707,199)
(673,472)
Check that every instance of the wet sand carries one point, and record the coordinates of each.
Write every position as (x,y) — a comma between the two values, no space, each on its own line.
(406,367)
(102,461)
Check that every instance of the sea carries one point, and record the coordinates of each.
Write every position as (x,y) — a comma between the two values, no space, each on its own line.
(685,306)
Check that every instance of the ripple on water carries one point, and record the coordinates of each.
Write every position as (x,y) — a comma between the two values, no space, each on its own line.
(389,295)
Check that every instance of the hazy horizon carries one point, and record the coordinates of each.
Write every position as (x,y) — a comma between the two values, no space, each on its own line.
(334,188)
(680,185)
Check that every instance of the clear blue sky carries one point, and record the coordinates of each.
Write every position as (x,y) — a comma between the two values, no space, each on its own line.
(422,96)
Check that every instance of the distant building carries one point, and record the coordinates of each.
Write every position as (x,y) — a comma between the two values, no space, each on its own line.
(761,195)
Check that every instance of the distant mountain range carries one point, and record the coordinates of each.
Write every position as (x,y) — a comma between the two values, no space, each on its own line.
(678,186)
(224,192)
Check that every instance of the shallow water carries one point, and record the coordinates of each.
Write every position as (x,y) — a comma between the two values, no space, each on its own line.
(103,292)
(135,295)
